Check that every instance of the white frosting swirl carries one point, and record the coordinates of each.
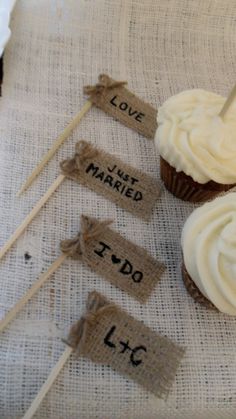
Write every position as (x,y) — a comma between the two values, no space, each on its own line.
(209,250)
(192,138)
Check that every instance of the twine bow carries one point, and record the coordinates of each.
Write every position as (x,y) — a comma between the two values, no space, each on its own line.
(104,83)
(83,152)
(96,306)
(90,229)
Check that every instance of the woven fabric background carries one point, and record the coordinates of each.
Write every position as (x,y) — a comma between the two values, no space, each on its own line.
(160,47)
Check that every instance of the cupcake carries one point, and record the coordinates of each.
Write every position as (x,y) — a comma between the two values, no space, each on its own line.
(209,254)
(197,148)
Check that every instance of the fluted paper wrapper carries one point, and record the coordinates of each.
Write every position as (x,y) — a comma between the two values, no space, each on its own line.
(194,291)
(185,188)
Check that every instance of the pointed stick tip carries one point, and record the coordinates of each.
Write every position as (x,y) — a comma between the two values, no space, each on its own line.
(228,102)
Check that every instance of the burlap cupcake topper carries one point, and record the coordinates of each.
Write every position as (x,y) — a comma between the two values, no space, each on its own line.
(118,260)
(104,173)
(107,335)
(115,99)
(110,255)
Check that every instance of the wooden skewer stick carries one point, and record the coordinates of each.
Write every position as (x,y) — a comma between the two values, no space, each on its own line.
(31,215)
(228,102)
(48,383)
(29,294)
(59,141)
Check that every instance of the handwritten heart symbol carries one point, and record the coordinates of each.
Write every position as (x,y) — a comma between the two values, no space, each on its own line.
(115,259)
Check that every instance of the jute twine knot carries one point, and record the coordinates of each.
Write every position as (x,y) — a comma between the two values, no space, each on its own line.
(83,152)
(90,229)
(104,83)
(96,306)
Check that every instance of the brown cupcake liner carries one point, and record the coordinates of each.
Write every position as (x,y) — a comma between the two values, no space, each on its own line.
(184,187)
(194,291)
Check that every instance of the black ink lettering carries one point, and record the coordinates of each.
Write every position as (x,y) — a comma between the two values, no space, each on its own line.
(138,196)
(126,178)
(111,170)
(93,168)
(139,116)
(137,362)
(133,180)
(100,176)
(126,268)
(128,193)
(123,106)
(137,276)
(122,189)
(120,173)
(114,259)
(108,336)
(112,101)
(108,179)
(125,347)
(131,112)
(117,185)
(102,251)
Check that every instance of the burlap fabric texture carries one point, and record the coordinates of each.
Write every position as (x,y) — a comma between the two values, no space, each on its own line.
(116,100)
(120,261)
(108,335)
(104,173)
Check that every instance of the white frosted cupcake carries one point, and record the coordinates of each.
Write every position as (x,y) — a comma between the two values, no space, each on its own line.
(197,148)
(209,254)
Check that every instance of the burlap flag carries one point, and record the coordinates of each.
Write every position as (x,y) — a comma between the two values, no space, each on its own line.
(118,260)
(108,335)
(107,175)
(113,98)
